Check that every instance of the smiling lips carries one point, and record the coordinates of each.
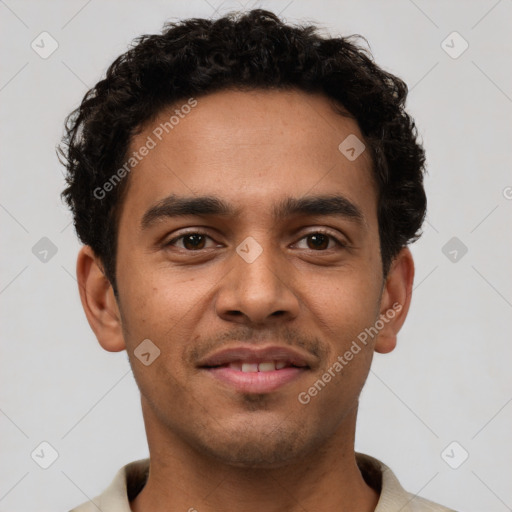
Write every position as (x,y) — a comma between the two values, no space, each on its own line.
(257,370)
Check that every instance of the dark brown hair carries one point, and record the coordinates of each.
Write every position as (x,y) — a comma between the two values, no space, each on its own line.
(248,50)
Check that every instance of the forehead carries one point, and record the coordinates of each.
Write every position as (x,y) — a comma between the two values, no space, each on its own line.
(251,149)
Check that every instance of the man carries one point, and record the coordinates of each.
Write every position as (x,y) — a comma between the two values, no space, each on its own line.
(245,191)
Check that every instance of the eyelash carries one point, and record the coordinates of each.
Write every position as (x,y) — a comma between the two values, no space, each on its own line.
(338,242)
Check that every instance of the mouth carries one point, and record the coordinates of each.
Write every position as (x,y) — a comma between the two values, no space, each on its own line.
(252,370)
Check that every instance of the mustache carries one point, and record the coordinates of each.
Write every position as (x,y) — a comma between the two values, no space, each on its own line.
(287,337)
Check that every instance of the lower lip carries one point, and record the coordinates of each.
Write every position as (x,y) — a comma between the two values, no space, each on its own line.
(256,382)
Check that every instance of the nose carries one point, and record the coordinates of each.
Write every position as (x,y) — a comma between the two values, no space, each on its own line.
(258,291)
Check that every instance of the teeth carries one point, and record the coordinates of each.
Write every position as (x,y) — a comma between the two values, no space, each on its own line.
(249,367)
(269,366)
(266,366)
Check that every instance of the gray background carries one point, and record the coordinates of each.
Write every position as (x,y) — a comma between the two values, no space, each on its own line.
(449,378)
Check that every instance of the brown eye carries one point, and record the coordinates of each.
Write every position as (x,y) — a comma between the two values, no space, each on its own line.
(318,241)
(193,241)
(190,241)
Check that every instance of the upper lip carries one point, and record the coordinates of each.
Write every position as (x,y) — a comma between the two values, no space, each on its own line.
(257,355)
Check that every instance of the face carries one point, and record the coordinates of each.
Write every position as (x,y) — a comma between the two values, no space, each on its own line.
(278,270)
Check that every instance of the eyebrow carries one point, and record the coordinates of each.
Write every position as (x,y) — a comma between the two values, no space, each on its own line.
(323,205)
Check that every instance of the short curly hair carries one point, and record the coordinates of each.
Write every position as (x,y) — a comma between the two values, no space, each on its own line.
(242,50)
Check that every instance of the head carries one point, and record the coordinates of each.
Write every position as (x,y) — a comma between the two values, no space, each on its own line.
(242,181)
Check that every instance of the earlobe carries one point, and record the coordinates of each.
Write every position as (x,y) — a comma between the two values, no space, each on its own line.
(396,299)
(98,301)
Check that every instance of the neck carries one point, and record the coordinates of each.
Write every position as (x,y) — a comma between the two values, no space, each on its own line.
(181,479)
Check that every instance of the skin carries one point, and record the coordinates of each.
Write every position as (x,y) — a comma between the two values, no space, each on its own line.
(233,450)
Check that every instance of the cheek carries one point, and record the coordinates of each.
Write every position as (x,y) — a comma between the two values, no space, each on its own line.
(157,314)
(345,302)
(164,308)
(340,315)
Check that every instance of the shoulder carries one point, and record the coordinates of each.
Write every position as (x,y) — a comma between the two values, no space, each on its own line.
(393,496)
(127,482)
(418,504)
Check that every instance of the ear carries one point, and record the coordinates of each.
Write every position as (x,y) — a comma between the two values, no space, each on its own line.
(98,301)
(395,300)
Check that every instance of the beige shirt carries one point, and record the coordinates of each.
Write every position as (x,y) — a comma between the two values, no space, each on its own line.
(131,478)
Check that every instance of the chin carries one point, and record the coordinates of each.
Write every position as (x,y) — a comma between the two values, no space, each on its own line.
(259,449)
(256,456)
